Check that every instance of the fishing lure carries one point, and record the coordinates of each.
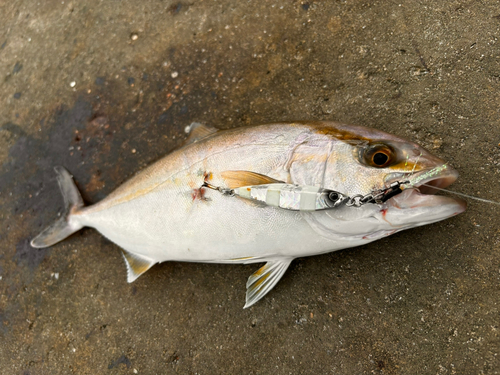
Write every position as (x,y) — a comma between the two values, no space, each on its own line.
(292,197)
(307,198)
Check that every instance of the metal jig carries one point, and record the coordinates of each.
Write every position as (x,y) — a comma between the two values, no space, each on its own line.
(325,198)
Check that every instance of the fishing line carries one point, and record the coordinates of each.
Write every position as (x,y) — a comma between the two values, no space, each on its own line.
(415,165)
(463,195)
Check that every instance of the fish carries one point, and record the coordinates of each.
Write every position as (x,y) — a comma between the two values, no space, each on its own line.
(178,209)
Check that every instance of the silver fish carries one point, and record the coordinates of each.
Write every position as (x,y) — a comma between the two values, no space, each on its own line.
(167,212)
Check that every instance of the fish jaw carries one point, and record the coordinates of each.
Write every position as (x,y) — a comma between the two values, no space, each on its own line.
(412,208)
(418,205)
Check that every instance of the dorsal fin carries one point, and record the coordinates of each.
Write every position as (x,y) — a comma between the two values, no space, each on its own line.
(236,179)
(197,132)
(136,265)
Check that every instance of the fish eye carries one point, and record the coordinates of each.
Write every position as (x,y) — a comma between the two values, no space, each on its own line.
(379,155)
(379,158)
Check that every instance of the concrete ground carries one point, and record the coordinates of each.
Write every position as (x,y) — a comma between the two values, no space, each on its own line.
(106,87)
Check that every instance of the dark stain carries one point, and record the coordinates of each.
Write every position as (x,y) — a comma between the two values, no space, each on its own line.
(397,95)
(99,81)
(306,6)
(87,336)
(5,326)
(27,256)
(131,81)
(17,67)
(28,177)
(13,129)
(420,56)
(31,160)
(175,8)
(93,139)
(122,360)
(3,45)
(385,364)
(171,52)
(164,118)
(17,95)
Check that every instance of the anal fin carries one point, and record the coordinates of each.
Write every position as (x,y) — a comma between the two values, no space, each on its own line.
(264,279)
(136,265)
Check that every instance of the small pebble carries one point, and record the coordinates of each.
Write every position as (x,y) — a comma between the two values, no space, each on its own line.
(134,36)
(134,151)
(72,84)
(175,74)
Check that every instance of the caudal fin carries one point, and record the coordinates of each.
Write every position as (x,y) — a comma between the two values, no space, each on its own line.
(64,226)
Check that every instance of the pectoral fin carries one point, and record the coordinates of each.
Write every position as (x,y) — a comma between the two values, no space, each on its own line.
(136,265)
(236,179)
(264,279)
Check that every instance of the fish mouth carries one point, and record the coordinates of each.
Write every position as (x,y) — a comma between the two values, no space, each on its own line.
(422,187)
(440,177)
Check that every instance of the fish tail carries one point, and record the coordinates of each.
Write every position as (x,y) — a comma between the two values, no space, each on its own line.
(67,224)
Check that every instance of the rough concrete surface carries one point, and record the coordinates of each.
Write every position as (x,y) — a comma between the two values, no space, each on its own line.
(106,87)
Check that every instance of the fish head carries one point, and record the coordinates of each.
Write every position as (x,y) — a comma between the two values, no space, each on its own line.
(361,161)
